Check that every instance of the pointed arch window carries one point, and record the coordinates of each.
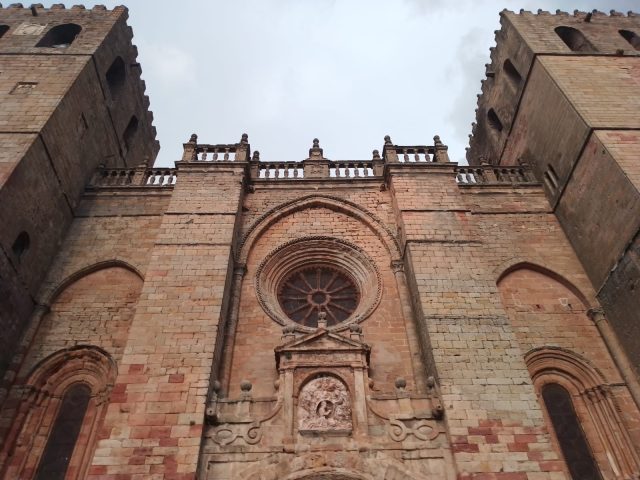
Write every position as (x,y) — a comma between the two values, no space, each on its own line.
(566,425)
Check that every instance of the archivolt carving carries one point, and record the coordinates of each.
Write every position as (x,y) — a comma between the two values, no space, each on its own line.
(320,250)
(587,386)
(319,201)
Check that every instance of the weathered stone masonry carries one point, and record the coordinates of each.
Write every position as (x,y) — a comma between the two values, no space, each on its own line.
(401,317)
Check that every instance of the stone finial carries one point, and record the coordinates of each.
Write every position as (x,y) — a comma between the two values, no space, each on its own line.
(376,155)
(256,156)
(441,154)
(245,387)
(401,383)
(245,138)
(387,140)
(193,138)
(315,152)
(322,319)
(587,18)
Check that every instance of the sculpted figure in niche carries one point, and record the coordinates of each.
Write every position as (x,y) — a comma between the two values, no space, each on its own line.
(324,406)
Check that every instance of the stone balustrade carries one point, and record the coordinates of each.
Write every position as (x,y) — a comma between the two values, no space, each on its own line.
(141,176)
(316,167)
(494,174)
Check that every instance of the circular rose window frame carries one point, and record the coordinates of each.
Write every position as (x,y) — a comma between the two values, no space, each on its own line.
(312,251)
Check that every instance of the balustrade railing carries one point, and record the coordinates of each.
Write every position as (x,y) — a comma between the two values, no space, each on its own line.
(134,177)
(280,170)
(415,154)
(215,153)
(351,169)
(492,174)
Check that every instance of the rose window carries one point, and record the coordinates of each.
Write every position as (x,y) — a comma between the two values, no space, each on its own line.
(311,290)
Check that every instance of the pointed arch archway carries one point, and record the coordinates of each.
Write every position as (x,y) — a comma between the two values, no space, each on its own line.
(336,204)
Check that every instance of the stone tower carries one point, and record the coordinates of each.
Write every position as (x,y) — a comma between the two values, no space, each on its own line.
(239,318)
(72,99)
(561,95)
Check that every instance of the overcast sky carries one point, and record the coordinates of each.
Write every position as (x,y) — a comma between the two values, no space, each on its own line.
(345,71)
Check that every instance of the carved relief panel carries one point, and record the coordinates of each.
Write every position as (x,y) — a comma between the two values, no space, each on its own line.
(324,406)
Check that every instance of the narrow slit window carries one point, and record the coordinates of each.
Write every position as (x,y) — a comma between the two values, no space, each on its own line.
(21,245)
(116,76)
(568,430)
(494,120)
(130,132)
(512,72)
(632,37)
(575,39)
(64,434)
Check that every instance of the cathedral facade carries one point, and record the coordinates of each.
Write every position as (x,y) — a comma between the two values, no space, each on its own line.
(398,317)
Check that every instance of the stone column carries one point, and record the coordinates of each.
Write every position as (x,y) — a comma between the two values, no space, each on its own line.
(618,355)
(226,348)
(417,366)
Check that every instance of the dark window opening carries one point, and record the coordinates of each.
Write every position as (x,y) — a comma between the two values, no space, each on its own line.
(494,120)
(551,179)
(116,76)
(575,39)
(569,433)
(632,37)
(21,244)
(3,29)
(60,36)
(64,434)
(512,72)
(130,132)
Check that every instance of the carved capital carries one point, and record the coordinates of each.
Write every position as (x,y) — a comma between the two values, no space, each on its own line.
(240,269)
(596,315)
(397,266)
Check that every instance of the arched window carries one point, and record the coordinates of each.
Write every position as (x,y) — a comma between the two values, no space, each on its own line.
(116,76)
(3,29)
(130,132)
(583,414)
(64,433)
(566,426)
(575,39)
(60,36)
(512,72)
(632,37)
(21,244)
(494,120)
(55,429)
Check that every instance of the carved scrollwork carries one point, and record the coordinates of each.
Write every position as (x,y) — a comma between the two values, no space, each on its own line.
(227,434)
(422,429)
